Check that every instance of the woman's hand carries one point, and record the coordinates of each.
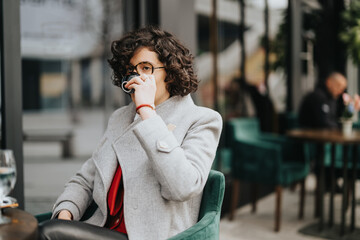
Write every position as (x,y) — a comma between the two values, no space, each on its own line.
(145,91)
(65,215)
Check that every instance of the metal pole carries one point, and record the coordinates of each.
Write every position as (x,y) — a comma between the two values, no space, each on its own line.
(11,89)
(214,51)
(243,110)
(295,61)
(242,42)
(143,13)
(266,44)
(289,101)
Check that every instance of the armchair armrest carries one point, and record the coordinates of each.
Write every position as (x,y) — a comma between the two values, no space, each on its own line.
(258,145)
(272,137)
(43,217)
(201,230)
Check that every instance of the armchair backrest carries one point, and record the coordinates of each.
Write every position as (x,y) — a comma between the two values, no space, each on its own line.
(244,128)
(213,194)
(288,121)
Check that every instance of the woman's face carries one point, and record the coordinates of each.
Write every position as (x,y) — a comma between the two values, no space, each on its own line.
(145,55)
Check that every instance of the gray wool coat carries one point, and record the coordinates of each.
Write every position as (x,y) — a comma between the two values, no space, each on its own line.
(165,162)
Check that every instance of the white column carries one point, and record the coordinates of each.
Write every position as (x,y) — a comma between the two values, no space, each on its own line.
(352,77)
(296,78)
(179,18)
(76,82)
(96,80)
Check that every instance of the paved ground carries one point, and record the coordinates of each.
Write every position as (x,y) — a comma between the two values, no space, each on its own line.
(46,173)
(248,226)
(44,181)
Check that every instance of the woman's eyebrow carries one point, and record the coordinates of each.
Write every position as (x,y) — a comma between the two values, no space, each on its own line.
(145,62)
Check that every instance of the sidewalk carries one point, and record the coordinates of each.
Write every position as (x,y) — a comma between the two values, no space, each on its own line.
(87,131)
(248,226)
(44,181)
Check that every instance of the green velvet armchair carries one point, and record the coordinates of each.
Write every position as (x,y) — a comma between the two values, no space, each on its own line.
(261,158)
(207,226)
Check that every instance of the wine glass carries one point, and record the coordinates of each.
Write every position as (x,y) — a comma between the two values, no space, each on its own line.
(7,177)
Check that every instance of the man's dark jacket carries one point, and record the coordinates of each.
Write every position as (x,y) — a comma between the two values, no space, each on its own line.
(319,110)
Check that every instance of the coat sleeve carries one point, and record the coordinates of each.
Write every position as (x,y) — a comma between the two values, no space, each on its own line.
(181,169)
(77,194)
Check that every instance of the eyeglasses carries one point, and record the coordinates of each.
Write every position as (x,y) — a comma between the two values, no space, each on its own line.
(143,68)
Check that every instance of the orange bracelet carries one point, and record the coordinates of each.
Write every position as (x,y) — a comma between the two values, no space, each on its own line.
(145,105)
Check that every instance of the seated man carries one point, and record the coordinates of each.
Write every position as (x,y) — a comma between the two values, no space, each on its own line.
(319,108)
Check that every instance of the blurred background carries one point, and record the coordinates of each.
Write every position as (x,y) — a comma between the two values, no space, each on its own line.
(254,58)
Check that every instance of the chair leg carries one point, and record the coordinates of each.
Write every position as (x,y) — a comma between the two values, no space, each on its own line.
(254,196)
(349,193)
(234,197)
(302,199)
(293,186)
(317,197)
(278,190)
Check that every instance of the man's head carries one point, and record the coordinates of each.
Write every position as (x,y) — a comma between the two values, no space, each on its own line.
(336,84)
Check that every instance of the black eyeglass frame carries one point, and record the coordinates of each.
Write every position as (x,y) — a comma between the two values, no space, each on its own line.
(134,68)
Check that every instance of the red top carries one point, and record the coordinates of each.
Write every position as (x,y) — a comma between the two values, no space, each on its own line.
(116,219)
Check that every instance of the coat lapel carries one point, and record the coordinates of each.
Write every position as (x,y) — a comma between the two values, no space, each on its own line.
(105,156)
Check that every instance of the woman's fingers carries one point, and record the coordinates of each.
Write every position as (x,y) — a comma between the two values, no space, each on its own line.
(65,215)
(144,77)
(140,80)
(150,78)
(135,80)
(145,89)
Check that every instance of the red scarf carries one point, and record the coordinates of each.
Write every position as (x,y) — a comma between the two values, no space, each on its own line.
(116,219)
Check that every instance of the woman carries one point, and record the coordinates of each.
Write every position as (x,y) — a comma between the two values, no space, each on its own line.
(149,170)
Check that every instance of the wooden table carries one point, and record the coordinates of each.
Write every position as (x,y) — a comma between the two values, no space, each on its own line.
(323,136)
(23,226)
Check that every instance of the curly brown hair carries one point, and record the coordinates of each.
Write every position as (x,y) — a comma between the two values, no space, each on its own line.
(177,59)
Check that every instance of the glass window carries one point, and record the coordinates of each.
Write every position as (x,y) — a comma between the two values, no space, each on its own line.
(67,92)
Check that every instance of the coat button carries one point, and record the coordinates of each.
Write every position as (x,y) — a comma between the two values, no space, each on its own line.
(117,221)
(163,145)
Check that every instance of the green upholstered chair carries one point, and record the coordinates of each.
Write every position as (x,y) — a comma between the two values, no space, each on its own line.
(222,160)
(287,121)
(207,226)
(42,217)
(264,159)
